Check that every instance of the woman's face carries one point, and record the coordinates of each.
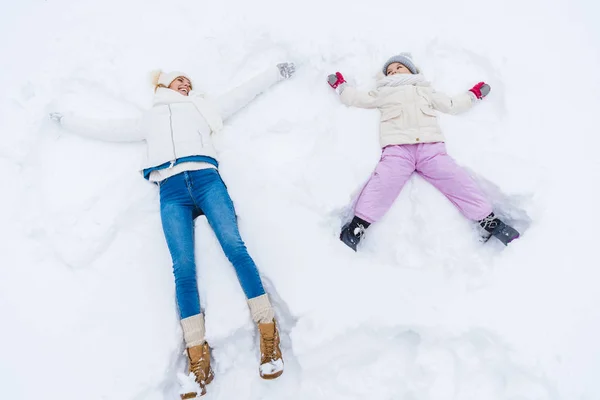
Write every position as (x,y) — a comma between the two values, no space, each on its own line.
(397,68)
(182,85)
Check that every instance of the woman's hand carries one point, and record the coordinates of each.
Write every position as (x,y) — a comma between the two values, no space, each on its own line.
(286,70)
(56,116)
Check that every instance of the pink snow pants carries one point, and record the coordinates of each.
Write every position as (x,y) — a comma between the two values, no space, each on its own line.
(429,160)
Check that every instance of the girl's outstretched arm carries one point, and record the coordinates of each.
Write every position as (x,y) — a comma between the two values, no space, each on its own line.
(349,95)
(462,102)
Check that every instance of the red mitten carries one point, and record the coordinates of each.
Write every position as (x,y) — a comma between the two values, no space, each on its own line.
(480,90)
(335,80)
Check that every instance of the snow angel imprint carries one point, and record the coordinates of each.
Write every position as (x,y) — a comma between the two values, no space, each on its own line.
(412,141)
(181,160)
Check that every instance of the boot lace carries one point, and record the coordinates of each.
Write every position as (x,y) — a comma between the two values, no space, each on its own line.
(489,223)
(269,342)
(359,231)
(199,370)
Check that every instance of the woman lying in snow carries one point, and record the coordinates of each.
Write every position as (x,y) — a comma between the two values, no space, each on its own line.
(181,160)
(413,141)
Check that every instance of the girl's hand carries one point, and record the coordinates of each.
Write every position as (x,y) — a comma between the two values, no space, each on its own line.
(480,90)
(335,80)
(286,70)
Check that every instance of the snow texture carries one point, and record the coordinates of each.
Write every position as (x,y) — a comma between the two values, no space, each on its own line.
(422,312)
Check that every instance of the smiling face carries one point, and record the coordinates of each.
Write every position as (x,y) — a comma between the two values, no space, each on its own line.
(397,68)
(182,85)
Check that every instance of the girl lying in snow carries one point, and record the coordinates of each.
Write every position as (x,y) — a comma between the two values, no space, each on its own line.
(413,141)
(181,160)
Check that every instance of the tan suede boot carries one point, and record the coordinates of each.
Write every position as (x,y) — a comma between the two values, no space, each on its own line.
(271,362)
(199,361)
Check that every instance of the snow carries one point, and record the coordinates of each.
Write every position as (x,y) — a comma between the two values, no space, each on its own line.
(422,312)
(188,384)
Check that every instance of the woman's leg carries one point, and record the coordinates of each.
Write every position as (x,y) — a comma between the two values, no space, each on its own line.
(211,195)
(177,213)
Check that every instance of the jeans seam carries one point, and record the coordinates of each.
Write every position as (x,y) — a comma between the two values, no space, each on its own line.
(188,184)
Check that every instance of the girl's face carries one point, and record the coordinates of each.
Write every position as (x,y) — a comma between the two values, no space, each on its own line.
(397,68)
(182,85)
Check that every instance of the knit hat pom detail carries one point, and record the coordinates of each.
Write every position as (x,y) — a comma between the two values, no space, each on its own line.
(404,59)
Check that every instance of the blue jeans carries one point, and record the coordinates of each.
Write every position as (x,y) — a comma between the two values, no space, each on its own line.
(183,197)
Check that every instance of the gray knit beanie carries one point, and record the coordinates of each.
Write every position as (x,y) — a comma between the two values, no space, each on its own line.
(404,59)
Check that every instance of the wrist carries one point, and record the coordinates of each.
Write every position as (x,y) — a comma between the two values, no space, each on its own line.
(474,98)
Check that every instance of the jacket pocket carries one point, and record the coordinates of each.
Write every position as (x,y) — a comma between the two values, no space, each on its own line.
(428,116)
(429,111)
(201,138)
(391,113)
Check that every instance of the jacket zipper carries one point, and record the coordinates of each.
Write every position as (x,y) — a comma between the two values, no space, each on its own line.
(417,109)
(172,139)
(203,117)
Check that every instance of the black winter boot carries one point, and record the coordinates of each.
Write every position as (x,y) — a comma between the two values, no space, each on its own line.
(495,227)
(353,231)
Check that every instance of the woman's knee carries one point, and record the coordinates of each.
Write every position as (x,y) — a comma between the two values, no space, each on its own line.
(188,281)
(235,248)
(184,267)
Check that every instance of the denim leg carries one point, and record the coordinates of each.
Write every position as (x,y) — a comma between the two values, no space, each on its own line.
(177,213)
(212,196)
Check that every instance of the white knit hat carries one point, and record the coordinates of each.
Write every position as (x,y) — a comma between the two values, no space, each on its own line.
(404,59)
(160,78)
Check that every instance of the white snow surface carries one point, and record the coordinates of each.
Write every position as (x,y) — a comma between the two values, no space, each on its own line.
(422,312)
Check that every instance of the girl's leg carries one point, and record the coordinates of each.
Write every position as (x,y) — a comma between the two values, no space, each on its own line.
(439,169)
(395,167)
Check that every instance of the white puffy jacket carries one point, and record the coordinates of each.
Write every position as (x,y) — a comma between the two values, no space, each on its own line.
(176,126)
(408,112)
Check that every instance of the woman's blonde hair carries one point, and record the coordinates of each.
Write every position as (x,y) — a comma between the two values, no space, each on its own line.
(154,78)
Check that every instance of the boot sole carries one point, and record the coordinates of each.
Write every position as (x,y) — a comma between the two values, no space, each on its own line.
(188,396)
(272,376)
(209,379)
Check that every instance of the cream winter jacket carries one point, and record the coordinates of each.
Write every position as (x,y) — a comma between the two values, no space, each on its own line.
(177,126)
(408,112)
